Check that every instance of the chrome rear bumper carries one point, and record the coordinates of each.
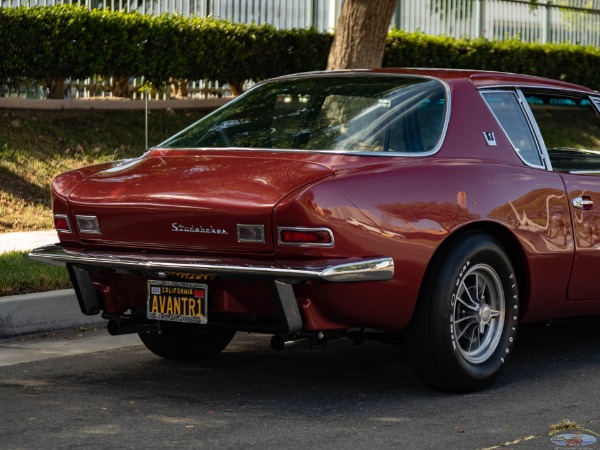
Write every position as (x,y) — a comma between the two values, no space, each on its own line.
(376,269)
(281,278)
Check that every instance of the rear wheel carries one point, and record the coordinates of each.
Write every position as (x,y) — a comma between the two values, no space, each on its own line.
(465,323)
(186,342)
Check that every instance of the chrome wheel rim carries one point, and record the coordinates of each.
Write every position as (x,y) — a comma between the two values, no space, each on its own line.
(478,315)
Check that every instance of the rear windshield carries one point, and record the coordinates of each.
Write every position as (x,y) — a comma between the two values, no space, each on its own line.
(327,113)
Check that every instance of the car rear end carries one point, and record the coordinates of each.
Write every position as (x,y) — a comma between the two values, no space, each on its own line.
(240,222)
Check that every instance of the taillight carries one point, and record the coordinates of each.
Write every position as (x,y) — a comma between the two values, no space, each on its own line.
(88,224)
(62,223)
(322,237)
(251,233)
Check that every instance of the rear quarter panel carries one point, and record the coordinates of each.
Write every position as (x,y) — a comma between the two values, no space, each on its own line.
(407,209)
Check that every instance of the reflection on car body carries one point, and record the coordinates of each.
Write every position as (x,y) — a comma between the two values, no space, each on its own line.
(446,206)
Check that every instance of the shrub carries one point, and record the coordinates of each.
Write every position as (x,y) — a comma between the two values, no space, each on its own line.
(64,41)
(574,63)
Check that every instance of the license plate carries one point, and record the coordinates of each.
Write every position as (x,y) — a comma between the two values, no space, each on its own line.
(177,301)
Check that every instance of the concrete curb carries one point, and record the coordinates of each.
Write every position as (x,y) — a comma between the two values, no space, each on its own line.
(42,312)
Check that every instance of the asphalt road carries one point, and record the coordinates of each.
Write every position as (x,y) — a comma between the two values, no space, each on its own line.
(339,397)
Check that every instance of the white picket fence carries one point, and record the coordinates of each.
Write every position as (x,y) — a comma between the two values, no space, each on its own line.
(571,21)
(574,21)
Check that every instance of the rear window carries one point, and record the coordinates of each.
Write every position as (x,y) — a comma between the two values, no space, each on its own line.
(328,113)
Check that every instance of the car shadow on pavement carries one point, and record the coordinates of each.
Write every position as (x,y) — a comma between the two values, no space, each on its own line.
(248,368)
(341,396)
(555,350)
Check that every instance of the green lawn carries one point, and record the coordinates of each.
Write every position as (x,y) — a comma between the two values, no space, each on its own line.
(35,146)
(21,275)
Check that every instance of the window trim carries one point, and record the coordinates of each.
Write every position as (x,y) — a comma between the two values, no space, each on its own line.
(535,133)
(386,154)
(595,102)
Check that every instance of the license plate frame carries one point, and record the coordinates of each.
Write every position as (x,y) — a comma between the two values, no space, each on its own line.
(177,301)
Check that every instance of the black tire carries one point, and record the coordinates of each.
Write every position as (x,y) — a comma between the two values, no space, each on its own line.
(465,324)
(186,342)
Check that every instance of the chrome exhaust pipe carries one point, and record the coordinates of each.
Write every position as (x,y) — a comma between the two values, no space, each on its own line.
(118,327)
(282,342)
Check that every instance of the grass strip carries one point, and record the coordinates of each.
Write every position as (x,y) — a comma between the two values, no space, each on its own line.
(35,146)
(21,275)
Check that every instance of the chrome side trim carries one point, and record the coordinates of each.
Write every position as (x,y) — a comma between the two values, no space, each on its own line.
(360,271)
(585,172)
(376,269)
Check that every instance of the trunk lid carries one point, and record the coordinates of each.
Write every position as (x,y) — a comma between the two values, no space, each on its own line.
(189,200)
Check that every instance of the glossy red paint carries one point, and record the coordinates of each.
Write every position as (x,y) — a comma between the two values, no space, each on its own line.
(221,188)
(191,201)
(585,282)
(407,207)
(490,79)
(410,227)
(218,189)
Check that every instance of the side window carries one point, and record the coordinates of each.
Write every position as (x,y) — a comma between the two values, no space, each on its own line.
(570,127)
(505,106)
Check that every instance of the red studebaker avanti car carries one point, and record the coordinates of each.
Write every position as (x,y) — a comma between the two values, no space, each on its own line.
(446,205)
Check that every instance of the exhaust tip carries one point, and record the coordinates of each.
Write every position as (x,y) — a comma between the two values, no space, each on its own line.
(278,343)
(113,327)
(281,342)
(116,327)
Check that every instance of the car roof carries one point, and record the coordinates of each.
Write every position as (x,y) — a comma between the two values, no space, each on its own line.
(480,78)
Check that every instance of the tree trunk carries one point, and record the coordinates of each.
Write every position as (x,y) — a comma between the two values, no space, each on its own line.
(56,89)
(120,87)
(179,87)
(237,88)
(359,40)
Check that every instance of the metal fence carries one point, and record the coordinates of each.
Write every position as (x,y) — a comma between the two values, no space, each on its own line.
(558,21)
(574,21)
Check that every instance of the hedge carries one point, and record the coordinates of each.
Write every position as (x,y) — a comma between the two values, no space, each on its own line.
(64,41)
(58,42)
(574,63)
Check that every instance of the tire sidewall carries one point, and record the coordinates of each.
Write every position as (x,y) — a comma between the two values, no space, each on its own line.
(186,342)
(469,252)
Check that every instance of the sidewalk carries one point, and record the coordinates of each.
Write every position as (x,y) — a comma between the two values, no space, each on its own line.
(43,311)
(26,240)
(62,343)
